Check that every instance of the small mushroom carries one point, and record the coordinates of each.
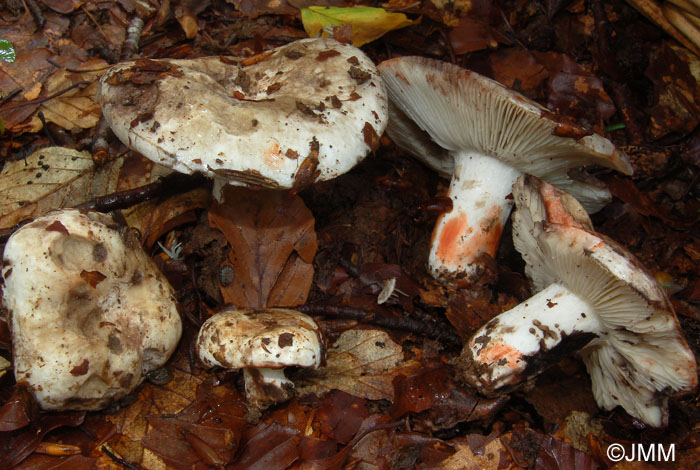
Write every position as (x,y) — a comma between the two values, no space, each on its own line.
(262,342)
(484,136)
(304,112)
(89,312)
(592,296)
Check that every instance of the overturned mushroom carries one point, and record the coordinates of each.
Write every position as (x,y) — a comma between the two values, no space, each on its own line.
(594,297)
(262,342)
(304,112)
(89,312)
(484,136)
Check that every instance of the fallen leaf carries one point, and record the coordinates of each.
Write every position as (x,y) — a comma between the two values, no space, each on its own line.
(435,401)
(453,10)
(529,448)
(49,179)
(493,456)
(269,446)
(675,74)
(363,363)
(75,109)
(367,23)
(341,415)
(273,244)
(26,74)
(19,409)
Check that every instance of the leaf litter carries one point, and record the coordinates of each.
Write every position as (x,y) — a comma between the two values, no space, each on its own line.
(352,236)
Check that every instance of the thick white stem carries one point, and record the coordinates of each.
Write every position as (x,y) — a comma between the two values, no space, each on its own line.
(480,207)
(510,348)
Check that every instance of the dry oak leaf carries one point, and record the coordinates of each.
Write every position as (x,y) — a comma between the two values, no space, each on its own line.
(49,179)
(491,457)
(75,109)
(132,422)
(273,244)
(362,362)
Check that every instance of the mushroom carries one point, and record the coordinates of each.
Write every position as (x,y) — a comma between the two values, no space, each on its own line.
(262,342)
(592,296)
(89,312)
(485,136)
(304,112)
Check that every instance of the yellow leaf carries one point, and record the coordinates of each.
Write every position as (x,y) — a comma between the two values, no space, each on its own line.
(367,23)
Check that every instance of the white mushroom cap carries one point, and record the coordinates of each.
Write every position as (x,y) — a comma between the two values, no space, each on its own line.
(303,112)
(589,288)
(262,342)
(89,312)
(491,135)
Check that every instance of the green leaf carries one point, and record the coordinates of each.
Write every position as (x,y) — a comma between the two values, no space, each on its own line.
(367,23)
(7,52)
(2,127)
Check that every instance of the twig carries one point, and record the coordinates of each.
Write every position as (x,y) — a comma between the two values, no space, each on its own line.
(133,36)
(35,11)
(10,95)
(100,146)
(50,97)
(175,182)
(97,25)
(119,460)
(68,69)
(412,325)
(40,114)
(171,184)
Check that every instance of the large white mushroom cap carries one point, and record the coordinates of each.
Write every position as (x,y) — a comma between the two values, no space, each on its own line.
(89,312)
(588,288)
(304,112)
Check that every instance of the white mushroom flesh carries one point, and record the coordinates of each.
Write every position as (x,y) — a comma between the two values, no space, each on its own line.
(89,312)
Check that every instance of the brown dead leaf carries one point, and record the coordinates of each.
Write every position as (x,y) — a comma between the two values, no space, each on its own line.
(363,363)
(493,456)
(26,74)
(341,415)
(273,244)
(676,77)
(435,401)
(138,433)
(75,109)
(452,10)
(268,446)
(49,179)
(570,90)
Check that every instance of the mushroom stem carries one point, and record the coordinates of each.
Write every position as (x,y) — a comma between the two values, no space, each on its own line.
(480,206)
(516,344)
(264,386)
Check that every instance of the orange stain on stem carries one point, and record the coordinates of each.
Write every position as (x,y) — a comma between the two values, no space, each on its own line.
(459,242)
(449,249)
(498,352)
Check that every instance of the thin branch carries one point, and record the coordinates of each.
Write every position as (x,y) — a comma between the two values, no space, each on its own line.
(431,330)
